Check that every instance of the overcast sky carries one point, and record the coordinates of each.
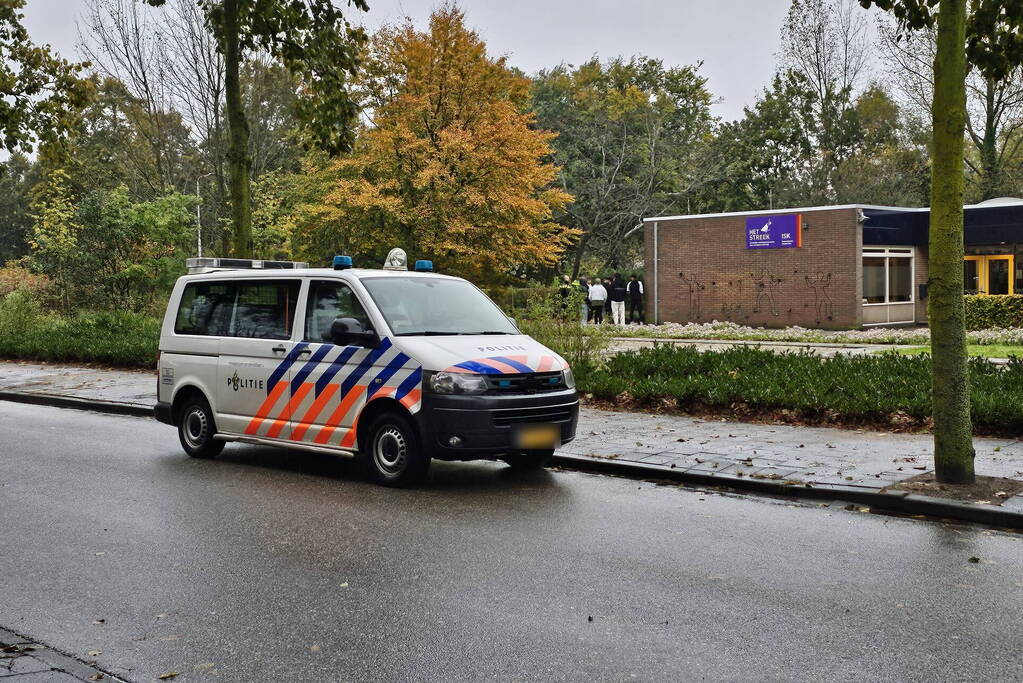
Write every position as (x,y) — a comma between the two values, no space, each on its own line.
(736,40)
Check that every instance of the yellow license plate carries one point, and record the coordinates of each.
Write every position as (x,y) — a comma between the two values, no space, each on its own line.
(535,437)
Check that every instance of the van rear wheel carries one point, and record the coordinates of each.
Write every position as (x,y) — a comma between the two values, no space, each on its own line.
(196,429)
(393,453)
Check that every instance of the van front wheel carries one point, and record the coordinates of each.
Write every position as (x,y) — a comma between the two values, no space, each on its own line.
(393,453)
(196,429)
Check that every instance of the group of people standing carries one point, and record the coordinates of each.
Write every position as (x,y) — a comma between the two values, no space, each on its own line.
(621,300)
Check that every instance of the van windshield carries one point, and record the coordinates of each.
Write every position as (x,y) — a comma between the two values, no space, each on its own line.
(423,306)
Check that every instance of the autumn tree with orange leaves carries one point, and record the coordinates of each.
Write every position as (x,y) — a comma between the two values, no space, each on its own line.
(448,167)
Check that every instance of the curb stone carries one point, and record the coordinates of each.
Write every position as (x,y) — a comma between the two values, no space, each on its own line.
(61,665)
(93,404)
(892,501)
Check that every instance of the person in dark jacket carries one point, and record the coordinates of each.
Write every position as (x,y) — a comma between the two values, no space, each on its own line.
(564,291)
(607,302)
(635,299)
(617,295)
(584,287)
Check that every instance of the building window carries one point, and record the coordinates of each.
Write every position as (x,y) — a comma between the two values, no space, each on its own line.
(887,275)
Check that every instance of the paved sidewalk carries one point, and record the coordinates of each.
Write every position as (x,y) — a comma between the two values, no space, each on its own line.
(818,456)
(129,388)
(842,461)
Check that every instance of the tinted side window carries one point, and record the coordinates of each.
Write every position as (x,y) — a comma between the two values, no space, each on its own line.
(264,310)
(328,301)
(205,309)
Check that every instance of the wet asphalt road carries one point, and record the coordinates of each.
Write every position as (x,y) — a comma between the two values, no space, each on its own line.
(273,565)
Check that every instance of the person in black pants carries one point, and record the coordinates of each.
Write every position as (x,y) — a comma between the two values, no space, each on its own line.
(564,291)
(598,296)
(635,300)
(584,287)
(607,302)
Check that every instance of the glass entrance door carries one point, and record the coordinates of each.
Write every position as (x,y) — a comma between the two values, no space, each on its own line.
(989,274)
(972,266)
(999,275)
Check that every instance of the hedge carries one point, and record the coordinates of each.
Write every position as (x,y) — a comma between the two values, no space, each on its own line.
(836,389)
(118,338)
(987,311)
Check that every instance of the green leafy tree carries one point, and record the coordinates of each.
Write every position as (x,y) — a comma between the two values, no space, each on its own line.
(17,176)
(762,155)
(627,131)
(129,251)
(890,164)
(315,43)
(54,237)
(276,196)
(41,92)
(118,140)
(991,31)
(994,108)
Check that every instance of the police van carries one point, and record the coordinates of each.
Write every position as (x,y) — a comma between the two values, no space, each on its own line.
(393,366)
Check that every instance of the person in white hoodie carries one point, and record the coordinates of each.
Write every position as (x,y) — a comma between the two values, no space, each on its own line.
(598,295)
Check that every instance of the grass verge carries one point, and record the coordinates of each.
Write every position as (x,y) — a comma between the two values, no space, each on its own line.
(975,350)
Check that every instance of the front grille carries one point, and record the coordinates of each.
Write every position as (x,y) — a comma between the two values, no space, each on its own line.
(538,415)
(526,383)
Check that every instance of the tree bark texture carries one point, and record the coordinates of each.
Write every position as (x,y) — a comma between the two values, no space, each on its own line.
(950,386)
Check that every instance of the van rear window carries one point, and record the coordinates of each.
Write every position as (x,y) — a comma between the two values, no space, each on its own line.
(258,310)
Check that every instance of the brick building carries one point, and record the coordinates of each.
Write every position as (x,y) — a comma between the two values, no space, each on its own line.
(823,267)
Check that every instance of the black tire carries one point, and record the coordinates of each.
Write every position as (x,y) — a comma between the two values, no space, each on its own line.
(392,452)
(530,460)
(196,428)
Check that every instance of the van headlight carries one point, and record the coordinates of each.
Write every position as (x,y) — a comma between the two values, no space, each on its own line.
(456,383)
(568,378)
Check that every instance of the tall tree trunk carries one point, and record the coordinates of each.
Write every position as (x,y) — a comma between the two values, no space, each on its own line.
(991,182)
(950,382)
(579,250)
(238,161)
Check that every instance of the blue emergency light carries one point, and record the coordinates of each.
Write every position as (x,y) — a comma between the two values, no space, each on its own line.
(424,266)
(342,262)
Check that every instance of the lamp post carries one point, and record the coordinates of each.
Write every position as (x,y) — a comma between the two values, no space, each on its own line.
(198,212)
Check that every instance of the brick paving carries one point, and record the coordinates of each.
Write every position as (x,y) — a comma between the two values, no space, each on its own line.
(818,456)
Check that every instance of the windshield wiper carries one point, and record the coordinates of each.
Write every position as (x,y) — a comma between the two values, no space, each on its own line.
(426,333)
(437,333)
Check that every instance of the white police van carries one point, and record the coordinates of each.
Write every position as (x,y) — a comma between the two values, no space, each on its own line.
(393,366)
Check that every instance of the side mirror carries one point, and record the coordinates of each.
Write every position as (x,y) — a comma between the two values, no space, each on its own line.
(349,332)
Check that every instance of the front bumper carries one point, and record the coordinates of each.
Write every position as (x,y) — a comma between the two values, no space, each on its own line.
(486,423)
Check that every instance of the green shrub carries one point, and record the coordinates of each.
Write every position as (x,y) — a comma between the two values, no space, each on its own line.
(866,388)
(118,338)
(556,323)
(19,312)
(993,311)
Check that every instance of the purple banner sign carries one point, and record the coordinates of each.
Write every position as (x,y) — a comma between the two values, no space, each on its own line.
(774,232)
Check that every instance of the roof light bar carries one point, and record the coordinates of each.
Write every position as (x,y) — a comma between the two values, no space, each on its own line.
(208,264)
